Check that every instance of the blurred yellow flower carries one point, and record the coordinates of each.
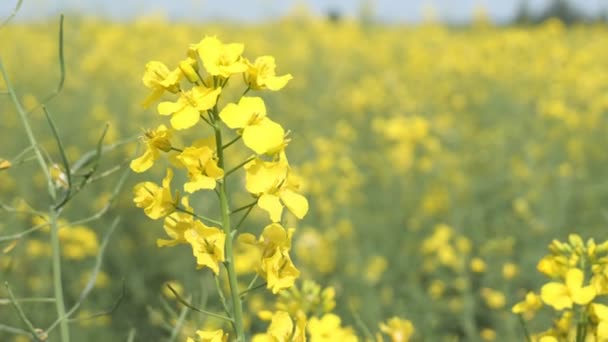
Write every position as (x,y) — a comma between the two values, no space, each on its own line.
(399,330)
(210,336)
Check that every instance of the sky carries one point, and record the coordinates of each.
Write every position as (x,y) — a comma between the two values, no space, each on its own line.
(257,10)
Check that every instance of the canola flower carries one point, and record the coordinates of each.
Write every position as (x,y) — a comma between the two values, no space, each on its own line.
(579,270)
(269,180)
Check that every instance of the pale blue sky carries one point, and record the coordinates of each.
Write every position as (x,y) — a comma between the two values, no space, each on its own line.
(252,10)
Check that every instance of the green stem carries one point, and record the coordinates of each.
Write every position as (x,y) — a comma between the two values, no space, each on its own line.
(237,306)
(29,132)
(239,166)
(64,329)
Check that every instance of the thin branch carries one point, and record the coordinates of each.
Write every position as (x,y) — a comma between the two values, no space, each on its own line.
(238,137)
(220,293)
(13,330)
(131,336)
(236,168)
(238,225)
(91,283)
(6,301)
(179,324)
(28,131)
(61,70)
(203,218)
(259,286)
(13,13)
(250,205)
(20,311)
(368,334)
(250,286)
(63,155)
(23,233)
(107,312)
(192,307)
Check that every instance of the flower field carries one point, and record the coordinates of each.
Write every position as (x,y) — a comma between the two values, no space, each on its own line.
(303,179)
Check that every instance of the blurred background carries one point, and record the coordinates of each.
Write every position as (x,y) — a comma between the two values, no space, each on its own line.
(388,11)
(442,146)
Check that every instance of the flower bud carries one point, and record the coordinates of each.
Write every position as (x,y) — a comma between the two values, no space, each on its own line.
(188,69)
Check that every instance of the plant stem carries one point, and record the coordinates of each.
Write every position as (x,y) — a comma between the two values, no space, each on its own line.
(29,132)
(64,329)
(237,307)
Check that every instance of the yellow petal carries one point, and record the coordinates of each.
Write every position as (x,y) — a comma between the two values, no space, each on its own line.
(295,202)
(277,83)
(272,205)
(233,116)
(144,162)
(584,295)
(601,311)
(199,183)
(574,278)
(185,118)
(168,108)
(264,137)
(4,164)
(556,295)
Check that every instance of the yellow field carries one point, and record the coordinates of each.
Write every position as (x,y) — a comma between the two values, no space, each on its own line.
(438,164)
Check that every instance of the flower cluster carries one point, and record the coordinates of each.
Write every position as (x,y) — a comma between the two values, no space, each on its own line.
(579,281)
(195,87)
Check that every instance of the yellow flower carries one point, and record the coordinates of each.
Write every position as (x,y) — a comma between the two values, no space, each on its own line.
(562,296)
(276,265)
(207,245)
(529,305)
(400,330)
(187,109)
(478,265)
(281,329)
(210,336)
(202,167)
(176,225)
(600,311)
(159,78)
(275,186)
(551,266)
(221,59)
(279,271)
(260,134)
(4,164)
(261,75)
(156,140)
(156,201)
(328,329)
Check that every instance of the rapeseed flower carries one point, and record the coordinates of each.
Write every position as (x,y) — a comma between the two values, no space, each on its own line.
(260,134)
(157,201)
(210,336)
(186,111)
(203,171)
(156,140)
(207,245)
(220,59)
(261,75)
(563,295)
(160,79)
